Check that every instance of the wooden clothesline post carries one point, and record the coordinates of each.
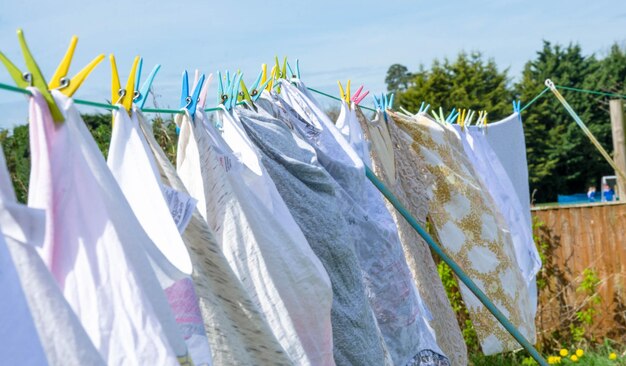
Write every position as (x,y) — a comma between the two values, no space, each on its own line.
(616,107)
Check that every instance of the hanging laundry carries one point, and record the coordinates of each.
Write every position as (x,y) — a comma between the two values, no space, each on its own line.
(301,279)
(235,327)
(310,194)
(22,347)
(405,326)
(390,287)
(394,169)
(62,337)
(204,164)
(501,189)
(465,220)
(506,138)
(134,169)
(95,247)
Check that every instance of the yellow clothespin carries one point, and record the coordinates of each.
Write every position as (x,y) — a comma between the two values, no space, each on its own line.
(59,79)
(345,95)
(263,73)
(459,118)
(281,72)
(270,85)
(119,95)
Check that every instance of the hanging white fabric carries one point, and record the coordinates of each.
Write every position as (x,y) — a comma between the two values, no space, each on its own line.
(62,337)
(263,244)
(235,327)
(20,342)
(134,168)
(95,247)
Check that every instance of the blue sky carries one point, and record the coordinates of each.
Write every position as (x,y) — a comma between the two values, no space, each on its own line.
(333,40)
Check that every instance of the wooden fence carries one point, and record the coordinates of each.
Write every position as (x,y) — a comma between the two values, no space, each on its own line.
(575,238)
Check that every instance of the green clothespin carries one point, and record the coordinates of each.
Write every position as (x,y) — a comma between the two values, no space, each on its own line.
(33,77)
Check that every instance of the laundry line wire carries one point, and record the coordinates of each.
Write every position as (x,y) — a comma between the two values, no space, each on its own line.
(149,110)
(595,92)
(579,90)
(213,109)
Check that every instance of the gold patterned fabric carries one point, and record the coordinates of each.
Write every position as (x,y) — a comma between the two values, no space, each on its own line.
(465,219)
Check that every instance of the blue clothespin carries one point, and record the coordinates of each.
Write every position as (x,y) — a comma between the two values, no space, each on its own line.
(227,95)
(190,101)
(390,101)
(377,104)
(424,108)
(141,95)
(297,73)
(256,89)
(298,68)
(517,106)
(452,116)
(234,89)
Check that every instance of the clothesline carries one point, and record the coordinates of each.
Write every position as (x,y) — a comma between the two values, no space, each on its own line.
(213,109)
(584,91)
(149,110)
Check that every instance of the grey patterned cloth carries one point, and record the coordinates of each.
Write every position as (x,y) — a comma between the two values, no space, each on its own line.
(312,196)
(237,330)
(392,293)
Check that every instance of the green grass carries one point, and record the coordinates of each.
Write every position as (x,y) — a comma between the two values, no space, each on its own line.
(596,356)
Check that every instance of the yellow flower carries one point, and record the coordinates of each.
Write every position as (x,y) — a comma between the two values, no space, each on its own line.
(553,360)
(574,358)
(612,356)
(580,353)
(563,352)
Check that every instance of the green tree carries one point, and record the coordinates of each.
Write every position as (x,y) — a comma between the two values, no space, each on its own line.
(561,159)
(17,153)
(398,78)
(469,81)
(16,146)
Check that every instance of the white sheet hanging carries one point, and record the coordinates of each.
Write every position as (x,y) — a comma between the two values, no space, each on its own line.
(134,168)
(211,173)
(506,138)
(235,327)
(63,338)
(20,343)
(95,247)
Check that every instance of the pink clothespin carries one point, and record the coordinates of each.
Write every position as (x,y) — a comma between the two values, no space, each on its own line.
(357,98)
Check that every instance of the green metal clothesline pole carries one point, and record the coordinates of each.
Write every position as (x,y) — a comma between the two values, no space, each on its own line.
(456,269)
